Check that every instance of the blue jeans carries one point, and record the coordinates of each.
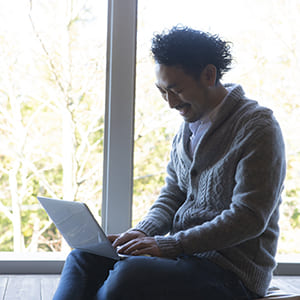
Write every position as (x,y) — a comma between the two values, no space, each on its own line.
(90,277)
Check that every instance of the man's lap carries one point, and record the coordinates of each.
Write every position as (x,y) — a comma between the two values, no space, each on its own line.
(186,277)
(142,277)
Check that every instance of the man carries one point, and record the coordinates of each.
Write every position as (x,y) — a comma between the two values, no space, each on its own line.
(212,233)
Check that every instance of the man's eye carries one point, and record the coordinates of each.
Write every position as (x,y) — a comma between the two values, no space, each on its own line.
(178,92)
(163,94)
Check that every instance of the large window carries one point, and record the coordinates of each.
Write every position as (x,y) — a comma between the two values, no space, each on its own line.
(266,48)
(58,126)
(52,101)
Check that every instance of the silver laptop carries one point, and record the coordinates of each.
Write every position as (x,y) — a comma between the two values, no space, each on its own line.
(78,226)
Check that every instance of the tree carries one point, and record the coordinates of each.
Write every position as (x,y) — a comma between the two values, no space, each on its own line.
(63,158)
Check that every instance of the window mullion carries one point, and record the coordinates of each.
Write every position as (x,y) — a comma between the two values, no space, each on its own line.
(119,116)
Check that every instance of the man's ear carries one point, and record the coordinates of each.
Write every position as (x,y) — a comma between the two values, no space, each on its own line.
(209,75)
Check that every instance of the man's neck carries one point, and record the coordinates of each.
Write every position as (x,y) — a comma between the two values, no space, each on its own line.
(215,94)
(218,93)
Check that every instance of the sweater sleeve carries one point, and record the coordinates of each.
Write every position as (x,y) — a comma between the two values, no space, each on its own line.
(259,179)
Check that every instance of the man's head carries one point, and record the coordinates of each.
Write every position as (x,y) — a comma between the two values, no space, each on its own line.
(189,64)
(192,50)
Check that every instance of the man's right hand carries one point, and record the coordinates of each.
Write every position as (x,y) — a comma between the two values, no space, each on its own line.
(123,238)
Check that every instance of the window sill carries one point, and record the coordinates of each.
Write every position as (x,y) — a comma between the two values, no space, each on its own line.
(31,263)
(52,263)
(288,265)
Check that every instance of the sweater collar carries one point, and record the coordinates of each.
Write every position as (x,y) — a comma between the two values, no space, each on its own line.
(212,116)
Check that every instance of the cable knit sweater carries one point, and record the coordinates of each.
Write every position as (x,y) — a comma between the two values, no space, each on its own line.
(223,204)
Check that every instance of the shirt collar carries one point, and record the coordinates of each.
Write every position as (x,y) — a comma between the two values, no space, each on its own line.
(211,117)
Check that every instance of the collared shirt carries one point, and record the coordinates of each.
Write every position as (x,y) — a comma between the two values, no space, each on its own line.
(199,127)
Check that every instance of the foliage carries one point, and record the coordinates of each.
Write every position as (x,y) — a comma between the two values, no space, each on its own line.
(51,119)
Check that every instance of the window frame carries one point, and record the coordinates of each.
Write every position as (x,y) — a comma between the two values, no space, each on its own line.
(119,116)
(118,140)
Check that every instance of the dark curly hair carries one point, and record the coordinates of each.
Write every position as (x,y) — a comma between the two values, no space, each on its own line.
(192,50)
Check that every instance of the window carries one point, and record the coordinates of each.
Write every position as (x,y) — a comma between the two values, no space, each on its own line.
(120,56)
(52,103)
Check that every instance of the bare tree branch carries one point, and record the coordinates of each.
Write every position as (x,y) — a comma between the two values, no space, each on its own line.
(52,65)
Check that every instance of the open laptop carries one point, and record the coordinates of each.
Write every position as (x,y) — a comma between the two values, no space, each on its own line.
(78,226)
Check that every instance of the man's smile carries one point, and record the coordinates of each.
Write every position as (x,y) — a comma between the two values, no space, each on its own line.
(183,108)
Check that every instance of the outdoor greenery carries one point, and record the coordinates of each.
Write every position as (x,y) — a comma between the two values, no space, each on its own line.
(52,96)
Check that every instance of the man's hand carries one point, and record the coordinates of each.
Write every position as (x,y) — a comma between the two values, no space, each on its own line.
(134,242)
(141,246)
(122,238)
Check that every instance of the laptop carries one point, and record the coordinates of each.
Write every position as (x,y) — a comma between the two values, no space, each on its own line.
(78,226)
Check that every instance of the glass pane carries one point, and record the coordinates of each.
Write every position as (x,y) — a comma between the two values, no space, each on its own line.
(266,49)
(52,86)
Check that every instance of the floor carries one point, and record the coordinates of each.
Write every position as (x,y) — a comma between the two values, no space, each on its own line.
(289,284)
(42,287)
(28,287)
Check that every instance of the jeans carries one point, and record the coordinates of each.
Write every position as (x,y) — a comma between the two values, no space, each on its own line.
(87,276)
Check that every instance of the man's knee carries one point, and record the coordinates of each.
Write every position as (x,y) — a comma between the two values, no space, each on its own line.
(127,279)
(78,257)
(88,263)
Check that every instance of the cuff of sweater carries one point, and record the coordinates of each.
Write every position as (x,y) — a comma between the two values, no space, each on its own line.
(169,246)
(146,227)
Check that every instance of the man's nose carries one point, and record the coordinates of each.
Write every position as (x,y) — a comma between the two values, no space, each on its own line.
(172,99)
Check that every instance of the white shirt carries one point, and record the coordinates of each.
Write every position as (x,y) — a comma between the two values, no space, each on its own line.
(199,127)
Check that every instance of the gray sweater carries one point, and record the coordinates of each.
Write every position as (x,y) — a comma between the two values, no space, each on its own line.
(223,204)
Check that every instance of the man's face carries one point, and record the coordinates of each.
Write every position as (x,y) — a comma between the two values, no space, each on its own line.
(183,92)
